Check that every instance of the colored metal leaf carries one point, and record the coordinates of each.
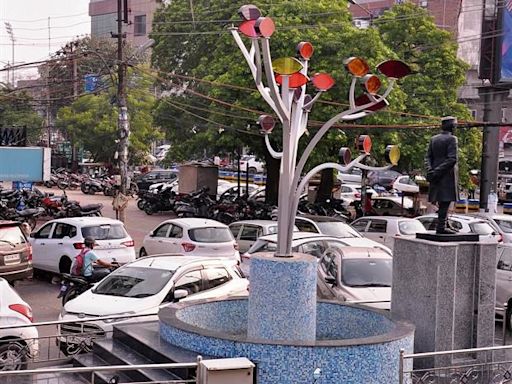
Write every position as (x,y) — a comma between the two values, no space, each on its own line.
(364,99)
(247,28)
(371,84)
(395,69)
(286,65)
(249,12)
(265,26)
(364,143)
(267,123)
(305,49)
(307,100)
(322,81)
(356,66)
(295,80)
(392,154)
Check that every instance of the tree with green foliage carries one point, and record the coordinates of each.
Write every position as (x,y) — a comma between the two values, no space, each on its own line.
(198,125)
(92,120)
(17,110)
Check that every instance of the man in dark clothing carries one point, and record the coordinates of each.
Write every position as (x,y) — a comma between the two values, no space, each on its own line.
(442,171)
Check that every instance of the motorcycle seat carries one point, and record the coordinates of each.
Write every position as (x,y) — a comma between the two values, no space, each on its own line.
(91,207)
(74,279)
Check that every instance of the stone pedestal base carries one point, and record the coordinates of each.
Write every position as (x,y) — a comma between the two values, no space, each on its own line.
(282,298)
(447,290)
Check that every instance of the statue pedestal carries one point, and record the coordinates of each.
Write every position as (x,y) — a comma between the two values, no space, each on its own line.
(447,290)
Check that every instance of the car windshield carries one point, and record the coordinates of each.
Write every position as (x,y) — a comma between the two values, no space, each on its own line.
(482,228)
(367,272)
(266,246)
(410,227)
(337,229)
(136,282)
(11,235)
(505,225)
(105,232)
(210,235)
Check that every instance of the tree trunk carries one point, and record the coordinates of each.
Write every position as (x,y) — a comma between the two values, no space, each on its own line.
(272,185)
(325,187)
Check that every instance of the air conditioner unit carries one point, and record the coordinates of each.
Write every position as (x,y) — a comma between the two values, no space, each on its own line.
(423,3)
(226,371)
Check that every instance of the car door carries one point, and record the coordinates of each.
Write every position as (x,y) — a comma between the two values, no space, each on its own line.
(155,243)
(60,243)
(218,283)
(315,248)
(377,231)
(248,236)
(174,239)
(504,276)
(361,226)
(191,281)
(41,253)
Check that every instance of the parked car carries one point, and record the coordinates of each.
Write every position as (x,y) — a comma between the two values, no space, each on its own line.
(17,345)
(15,252)
(144,286)
(406,184)
(383,178)
(503,286)
(353,191)
(156,176)
(331,226)
(305,242)
(393,206)
(246,232)
(464,224)
(354,175)
(384,229)
(229,191)
(57,242)
(356,274)
(502,224)
(191,236)
(251,163)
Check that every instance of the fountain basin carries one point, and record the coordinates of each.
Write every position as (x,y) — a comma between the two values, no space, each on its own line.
(353,344)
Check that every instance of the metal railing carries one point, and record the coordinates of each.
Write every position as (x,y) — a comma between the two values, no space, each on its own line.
(58,345)
(109,373)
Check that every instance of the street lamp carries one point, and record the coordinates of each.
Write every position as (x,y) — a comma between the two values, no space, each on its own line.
(284,91)
(8,28)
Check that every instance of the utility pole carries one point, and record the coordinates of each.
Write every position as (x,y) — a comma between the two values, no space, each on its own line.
(8,28)
(123,122)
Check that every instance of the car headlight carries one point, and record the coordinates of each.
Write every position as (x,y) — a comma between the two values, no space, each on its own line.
(109,321)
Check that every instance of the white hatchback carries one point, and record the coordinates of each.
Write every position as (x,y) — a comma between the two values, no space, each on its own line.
(17,345)
(192,237)
(145,285)
(57,242)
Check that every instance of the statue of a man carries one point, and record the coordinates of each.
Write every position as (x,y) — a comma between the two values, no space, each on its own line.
(442,171)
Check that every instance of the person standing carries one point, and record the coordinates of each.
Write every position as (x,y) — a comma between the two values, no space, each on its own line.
(442,171)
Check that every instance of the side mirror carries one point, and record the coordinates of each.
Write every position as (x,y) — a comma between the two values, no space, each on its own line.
(330,280)
(33,235)
(151,234)
(180,294)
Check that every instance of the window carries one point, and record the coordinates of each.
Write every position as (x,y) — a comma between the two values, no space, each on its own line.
(176,232)
(139,27)
(482,228)
(429,223)
(410,227)
(235,229)
(162,230)
(505,262)
(314,248)
(250,233)
(378,226)
(190,281)
(505,225)
(105,232)
(216,277)
(44,233)
(210,235)
(360,225)
(11,235)
(328,263)
(305,226)
(62,230)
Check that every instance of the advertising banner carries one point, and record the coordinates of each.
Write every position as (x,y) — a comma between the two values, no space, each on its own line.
(25,164)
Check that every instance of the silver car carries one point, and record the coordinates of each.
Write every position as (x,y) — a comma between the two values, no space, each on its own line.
(504,282)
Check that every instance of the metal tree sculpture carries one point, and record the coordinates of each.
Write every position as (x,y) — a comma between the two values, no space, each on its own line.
(285,92)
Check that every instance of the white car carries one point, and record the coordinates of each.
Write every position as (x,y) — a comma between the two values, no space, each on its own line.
(246,232)
(58,241)
(354,175)
(384,229)
(465,224)
(353,191)
(249,162)
(405,184)
(17,345)
(306,242)
(147,284)
(502,224)
(192,237)
(356,274)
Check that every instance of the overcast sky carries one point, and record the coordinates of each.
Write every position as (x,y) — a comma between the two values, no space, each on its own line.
(29,20)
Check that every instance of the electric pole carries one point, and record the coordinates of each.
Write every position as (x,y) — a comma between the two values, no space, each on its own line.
(8,28)
(123,123)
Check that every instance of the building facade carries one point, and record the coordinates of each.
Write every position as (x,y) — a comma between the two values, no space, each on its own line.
(140,19)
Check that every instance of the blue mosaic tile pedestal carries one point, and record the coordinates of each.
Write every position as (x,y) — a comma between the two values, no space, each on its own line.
(353,345)
(282,298)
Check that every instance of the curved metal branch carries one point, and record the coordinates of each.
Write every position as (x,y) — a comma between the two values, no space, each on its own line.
(272,85)
(352,94)
(312,101)
(273,153)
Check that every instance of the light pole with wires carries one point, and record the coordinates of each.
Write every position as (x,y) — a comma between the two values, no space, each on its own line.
(8,28)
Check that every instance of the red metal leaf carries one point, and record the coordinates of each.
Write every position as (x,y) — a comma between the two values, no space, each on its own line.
(247,28)
(364,99)
(395,69)
(323,81)
(295,80)
(265,26)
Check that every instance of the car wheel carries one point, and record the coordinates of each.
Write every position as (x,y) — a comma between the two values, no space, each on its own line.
(65,264)
(252,170)
(142,252)
(13,355)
